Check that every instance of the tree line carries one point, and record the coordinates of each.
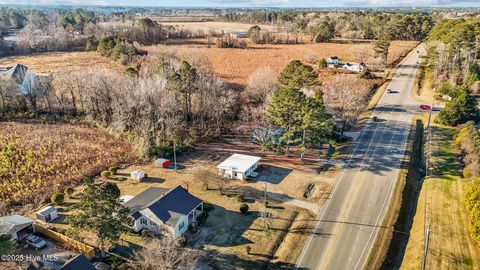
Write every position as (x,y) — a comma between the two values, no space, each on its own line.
(323,26)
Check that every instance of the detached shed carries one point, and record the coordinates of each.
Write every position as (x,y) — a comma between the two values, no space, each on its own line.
(239,166)
(137,175)
(47,214)
(162,163)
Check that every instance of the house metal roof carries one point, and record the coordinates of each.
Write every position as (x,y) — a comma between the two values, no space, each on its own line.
(239,162)
(46,210)
(13,224)
(158,204)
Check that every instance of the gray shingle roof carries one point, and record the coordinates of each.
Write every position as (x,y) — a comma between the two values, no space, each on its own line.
(167,206)
(79,262)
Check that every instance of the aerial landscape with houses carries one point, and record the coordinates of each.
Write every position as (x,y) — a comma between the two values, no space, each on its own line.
(239,138)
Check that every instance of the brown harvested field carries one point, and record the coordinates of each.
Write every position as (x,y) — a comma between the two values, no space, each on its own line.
(39,159)
(236,65)
(63,62)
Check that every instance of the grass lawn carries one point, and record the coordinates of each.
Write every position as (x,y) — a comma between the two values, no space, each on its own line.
(450,244)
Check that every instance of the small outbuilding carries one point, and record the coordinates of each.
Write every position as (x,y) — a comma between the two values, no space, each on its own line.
(137,175)
(162,163)
(17,226)
(47,214)
(333,60)
(239,166)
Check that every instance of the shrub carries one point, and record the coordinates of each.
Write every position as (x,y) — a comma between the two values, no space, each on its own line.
(57,198)
(113,170)
(244,208)
(466,173)
(106,174)
(68,191)
(322,63)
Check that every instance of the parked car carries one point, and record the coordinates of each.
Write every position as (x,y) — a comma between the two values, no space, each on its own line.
(425,107)
(35,241)
(122,251)
(102,266)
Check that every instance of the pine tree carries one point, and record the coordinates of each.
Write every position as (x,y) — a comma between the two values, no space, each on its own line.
(285,111)
(101,212)
(297,75)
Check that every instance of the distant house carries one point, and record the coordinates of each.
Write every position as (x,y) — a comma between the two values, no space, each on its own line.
(239,166)
(354,67)
(47,214)
(238,35)
(27,81)
(333,60)
(17,226)
(160,210)
(77,263)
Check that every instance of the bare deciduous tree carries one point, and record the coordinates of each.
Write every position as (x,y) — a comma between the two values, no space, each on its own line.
(345,99)
(165,253)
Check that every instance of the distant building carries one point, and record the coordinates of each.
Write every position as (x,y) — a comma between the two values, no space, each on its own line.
(160,210)
(239,166)
(27,81)
(238,35)
(354,67)
(333,60)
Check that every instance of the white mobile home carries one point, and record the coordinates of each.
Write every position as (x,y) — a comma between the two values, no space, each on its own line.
(239,166)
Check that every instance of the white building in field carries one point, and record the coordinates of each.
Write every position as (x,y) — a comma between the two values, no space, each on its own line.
(239,166)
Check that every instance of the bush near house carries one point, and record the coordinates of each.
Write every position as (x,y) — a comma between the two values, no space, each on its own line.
(244,208)
(58,198)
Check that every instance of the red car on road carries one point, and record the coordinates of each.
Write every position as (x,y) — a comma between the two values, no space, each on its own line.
(425,107)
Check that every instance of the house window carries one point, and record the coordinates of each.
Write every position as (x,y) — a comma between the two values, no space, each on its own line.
(143,221)
(152,223)
(235,174)
(181,225)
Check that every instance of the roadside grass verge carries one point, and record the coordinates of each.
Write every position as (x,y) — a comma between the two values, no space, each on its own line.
(450,245)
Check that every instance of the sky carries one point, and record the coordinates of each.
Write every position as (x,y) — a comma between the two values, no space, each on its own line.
(257,3)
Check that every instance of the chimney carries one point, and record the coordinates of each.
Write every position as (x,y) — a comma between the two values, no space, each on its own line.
(185,186)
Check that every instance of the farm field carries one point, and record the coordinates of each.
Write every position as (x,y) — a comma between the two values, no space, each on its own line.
(450,246)
(39,159)
(63,62)
(236,65)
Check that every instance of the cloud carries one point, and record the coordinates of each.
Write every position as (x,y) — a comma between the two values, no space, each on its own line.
(409,3)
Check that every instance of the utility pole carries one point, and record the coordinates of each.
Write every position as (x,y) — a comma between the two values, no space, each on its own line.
(265,206)
(175,154)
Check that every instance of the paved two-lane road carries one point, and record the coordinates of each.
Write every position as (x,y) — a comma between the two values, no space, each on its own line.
(349,221)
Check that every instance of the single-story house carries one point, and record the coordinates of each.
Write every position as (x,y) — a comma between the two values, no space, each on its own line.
(333,60)
(354,67)
(17,226)
(27,81)
(77,263)
(47,214)
(239,166)
(160,210)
